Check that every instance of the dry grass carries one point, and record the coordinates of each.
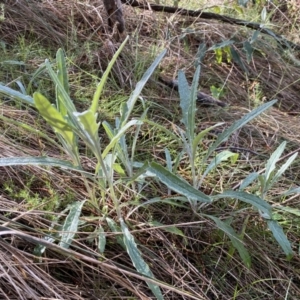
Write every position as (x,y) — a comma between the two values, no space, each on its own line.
(195,267)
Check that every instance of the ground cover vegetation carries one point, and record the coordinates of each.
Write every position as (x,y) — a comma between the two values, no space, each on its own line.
(116,185)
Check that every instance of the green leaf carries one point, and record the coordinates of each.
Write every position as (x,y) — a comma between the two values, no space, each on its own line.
(236,57)
(271,164)
(95,101)
(117,137)
(281,238)
(65,99)
(171,229)
(263,15)
(237,125)
(172,200)
(248,198)
(115,228)
(222,156)
(235,239)
(168,159)
(221,45)
(88,122)
(101,239)
(283,168)
(249,50)
(200,54)
(70,226)
(138,261)
(46,161)
(295,190)
(185,97)
(16,95)
(291,210)
(248,180)
(54,118)
(188,102)
(138,89)
(201,135)
(63,78)
(176,184)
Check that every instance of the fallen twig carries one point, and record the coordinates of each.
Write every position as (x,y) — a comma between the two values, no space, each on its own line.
(209,15)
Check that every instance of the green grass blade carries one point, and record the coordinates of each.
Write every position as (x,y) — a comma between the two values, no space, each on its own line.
(140,85)
(176,184)
(248,198)
(237,125)
(70,226)
(16,95)
(235,239)
(138,261)
(281,238)
(95,101)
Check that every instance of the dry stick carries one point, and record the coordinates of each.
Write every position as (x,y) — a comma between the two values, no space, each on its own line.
(208,15)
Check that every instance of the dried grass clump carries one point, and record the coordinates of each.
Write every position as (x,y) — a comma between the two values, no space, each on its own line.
(53,22)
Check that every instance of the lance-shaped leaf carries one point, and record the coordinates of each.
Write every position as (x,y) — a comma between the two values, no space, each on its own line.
(70,226)
(177,184)
(53,117)
(235,239)
(138,261)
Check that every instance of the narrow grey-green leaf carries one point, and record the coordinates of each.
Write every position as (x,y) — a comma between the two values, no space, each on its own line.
(65,97)
(281,238)
(62,75)
(99,89)
(115,228)
(16,95)
(222,156)
(237,58)
(221,45)
(101,239)
(171,229)
(70,226)
(248,180)
(291,210)
(237,125)
(185,96)
(43,160)
(236,241)
(283,168)
(259,203)
(177,184)
(140,85)
(271,164)
(138,261)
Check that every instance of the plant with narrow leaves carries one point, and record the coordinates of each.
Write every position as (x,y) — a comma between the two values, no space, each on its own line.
(70,126)
(190,193)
